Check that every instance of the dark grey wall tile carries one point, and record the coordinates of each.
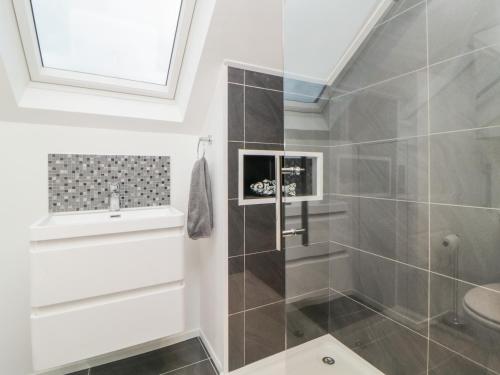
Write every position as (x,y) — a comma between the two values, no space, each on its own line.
(260,228)
(307,269)
(461,26)
(465,92)
(264,278)
(394,169)
(445,362)
(396,47)
(317,221)
(402,234)
(464,168)
(264,332)
(236,113)
(343,173)
(385,169)
(81,182)
(236,345)
(473,339)
(264,146)
(393,109)
(268,81)
(236,228)
(263,116)
(395,288)
(306,320)
(473,238)
(156,362)
(345,221)
(235,75)
(232,168)
(236,284)
(82,372)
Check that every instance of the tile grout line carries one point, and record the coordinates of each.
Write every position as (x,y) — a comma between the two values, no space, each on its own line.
(379,313)
(463,356)
(427,270)
(400,13)
(430,203)
(244,229)
(428,190)
(208,355)
(183,367)
(427,66)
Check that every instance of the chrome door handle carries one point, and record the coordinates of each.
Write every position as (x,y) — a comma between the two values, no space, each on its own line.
(293,232)
(294,171)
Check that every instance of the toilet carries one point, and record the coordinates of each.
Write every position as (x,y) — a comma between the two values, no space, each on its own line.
(482,313)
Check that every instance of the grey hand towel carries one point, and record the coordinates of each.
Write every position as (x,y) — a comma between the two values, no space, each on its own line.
(200,209)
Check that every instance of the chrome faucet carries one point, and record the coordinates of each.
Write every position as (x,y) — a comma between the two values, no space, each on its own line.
(114,197)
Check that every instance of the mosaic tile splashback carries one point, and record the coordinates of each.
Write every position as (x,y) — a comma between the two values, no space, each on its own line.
(81,182)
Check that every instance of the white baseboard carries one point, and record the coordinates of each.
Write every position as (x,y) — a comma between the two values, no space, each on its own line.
(211,352)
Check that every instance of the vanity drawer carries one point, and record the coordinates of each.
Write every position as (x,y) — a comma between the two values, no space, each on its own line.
(75,269)
(76,331)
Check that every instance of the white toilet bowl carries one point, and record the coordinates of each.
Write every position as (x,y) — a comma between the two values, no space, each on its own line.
(482,313)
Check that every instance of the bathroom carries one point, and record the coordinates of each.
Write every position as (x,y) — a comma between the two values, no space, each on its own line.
(249,187)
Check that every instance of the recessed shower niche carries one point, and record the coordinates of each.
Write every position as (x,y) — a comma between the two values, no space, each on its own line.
(300,176)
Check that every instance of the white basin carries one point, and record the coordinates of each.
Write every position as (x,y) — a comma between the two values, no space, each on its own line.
(59,226)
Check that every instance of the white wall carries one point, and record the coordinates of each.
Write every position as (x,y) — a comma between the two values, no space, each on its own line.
(213,251)
(23,199)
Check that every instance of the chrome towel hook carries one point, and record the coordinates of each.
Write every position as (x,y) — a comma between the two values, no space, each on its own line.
(208,139)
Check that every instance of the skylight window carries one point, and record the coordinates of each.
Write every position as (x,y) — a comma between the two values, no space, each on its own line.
(131,46)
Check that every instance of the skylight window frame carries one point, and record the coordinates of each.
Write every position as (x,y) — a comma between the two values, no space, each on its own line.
(42,74)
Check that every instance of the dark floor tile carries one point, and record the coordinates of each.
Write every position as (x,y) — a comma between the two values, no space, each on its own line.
(235,113)
(236,341)
(156,362)
(236,268)
(264,278)
(445,362)
(264,332)
(267,81)
(235,75)
(232,168)
(263,116)
(201,368)
(306,320)
(235,228)
(400,353)
(392,348)
(260,228)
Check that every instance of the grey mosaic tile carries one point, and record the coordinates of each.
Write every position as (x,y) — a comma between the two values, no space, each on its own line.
(81,182)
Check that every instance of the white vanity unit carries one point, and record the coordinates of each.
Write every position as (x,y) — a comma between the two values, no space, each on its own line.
(104,281)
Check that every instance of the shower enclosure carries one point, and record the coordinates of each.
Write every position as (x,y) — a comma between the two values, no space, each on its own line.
(397,255)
